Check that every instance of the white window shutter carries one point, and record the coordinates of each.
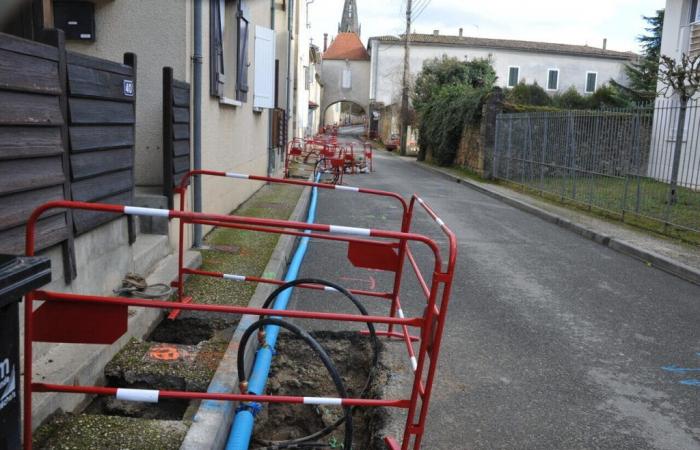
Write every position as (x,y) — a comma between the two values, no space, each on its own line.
(264,87)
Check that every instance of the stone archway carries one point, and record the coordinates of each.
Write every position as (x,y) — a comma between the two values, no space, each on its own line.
(345,81)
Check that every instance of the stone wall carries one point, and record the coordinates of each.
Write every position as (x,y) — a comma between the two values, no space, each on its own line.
(476,147)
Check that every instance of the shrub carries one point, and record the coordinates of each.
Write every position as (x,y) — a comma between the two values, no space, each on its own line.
(528,94)
(447,95)
(607,97)
(443,120)
(570,99)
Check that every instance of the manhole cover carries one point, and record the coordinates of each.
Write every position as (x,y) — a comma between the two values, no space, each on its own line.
(228,248)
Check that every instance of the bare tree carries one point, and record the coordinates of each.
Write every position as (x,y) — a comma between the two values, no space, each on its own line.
(681,78)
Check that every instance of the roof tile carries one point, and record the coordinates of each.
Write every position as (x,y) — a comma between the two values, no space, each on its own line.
(508,44)
(347,46)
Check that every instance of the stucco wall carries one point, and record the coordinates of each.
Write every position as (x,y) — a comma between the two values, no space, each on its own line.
(234,138)
(160,36)
(387,67)
(676,32)
(333,92)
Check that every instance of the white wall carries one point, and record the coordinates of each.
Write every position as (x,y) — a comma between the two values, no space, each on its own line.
(387,67)
(676,32)
(675,42)
(334,92)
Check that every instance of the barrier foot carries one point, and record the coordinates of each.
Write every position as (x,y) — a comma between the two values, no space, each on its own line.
(391,443)
(176,312)
(392,334)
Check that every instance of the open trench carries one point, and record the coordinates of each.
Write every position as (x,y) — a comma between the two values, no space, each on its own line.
(183,354)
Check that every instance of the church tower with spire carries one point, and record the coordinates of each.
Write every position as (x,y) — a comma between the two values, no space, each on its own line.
(349,22)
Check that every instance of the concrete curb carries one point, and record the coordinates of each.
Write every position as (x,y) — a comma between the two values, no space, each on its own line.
(668,265)
(212,421)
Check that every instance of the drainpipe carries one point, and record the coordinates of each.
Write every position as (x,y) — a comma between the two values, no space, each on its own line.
(197,116)
(290,90)
(271,112)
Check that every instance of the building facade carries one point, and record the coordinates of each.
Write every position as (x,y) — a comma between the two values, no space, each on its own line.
(681,36)
(555,67)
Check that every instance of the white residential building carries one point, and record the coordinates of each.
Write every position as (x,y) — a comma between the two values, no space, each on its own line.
(681,35)
(555,67)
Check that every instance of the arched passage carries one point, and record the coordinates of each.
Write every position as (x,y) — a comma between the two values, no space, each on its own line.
(345,114)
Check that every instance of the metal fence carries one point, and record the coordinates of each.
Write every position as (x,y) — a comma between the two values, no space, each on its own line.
(617,160)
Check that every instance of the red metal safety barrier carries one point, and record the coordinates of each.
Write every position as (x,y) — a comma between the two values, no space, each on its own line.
(182,190)
(323,153)
(90,319)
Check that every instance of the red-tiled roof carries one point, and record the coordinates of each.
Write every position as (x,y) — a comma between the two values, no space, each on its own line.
(347,46)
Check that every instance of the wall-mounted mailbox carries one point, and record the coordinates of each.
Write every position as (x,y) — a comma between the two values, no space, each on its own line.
(76,19)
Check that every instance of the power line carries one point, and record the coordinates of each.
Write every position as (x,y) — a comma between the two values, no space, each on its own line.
(427,3)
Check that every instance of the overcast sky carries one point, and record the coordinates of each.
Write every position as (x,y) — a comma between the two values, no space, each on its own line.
(560,21)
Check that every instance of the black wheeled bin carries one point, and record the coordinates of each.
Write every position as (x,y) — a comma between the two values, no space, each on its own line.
(18,275)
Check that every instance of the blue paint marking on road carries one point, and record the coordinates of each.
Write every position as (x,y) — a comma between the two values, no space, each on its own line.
(676,369)
(691,382)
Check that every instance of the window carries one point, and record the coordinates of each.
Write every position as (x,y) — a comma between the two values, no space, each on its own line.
(228,50)
(591,82)
(346,79)
(694,12)
(513,76)
(553,80)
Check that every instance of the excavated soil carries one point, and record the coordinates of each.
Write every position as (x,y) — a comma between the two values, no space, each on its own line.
(296,370)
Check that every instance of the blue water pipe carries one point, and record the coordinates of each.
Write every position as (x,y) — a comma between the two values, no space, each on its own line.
(242,428)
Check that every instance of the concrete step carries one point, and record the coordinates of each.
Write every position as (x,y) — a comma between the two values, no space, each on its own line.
(149,250)
(151,197)
(84,364)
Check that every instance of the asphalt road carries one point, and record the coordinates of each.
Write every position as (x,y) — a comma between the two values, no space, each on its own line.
(552,341)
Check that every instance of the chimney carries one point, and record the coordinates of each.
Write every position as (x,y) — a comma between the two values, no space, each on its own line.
(436,32)
(605,44)
(325,41)
(461,32)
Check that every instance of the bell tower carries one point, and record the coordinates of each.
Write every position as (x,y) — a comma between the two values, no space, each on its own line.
(349,22)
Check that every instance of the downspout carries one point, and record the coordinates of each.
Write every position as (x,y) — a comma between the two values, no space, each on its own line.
(290,89)
(197,116)
(271,113)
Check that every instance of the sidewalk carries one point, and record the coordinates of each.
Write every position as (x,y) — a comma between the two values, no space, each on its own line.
(679,259)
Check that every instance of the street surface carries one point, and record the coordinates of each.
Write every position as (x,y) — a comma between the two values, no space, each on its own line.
(552,341)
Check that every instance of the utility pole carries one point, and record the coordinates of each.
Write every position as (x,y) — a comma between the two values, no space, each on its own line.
(406,74)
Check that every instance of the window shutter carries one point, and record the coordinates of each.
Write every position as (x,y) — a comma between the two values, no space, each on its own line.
(264,87)
(242,60)
(216,48)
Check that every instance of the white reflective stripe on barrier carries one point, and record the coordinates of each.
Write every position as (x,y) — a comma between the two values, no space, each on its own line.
(328,288)
(347,188)
(322,401)
(414,363)
(139,211)
(243,176)
(420,200)
(400,311)
(350,230)
(439,221)
(137,395)
(229,276)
